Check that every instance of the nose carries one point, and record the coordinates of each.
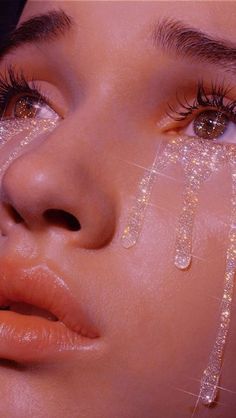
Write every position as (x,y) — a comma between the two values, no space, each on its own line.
(56,185)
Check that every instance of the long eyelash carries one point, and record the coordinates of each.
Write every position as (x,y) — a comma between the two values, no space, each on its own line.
(214,99)
(13,82)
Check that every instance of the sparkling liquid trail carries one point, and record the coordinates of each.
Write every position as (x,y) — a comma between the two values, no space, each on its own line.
(136,216)
(31,128)
(211,376)
(184,232)
(199,159)
(199,162)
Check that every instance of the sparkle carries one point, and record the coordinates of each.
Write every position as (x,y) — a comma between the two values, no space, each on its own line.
(10,128)
(199,159)
(211,375)
(195,406)
(133,228)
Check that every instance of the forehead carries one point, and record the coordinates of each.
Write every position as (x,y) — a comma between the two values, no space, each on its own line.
(122,19)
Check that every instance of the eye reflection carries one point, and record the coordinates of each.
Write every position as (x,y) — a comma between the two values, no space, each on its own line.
(212,125)
(31,107)
(210,115)
(21,98)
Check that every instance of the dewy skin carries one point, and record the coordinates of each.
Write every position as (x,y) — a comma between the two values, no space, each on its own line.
(199,159)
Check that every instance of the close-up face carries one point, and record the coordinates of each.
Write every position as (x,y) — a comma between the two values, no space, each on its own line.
(118,210)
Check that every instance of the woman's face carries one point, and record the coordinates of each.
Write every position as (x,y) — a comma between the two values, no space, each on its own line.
(67,197)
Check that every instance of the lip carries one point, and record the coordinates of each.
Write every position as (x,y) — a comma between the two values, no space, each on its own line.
(36,338)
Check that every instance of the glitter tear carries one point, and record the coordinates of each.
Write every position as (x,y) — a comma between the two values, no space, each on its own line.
(210,381)
(136,217)
(199,159)
(31,128)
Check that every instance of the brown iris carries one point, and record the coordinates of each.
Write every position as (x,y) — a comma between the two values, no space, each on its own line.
(210,124)
(26,107)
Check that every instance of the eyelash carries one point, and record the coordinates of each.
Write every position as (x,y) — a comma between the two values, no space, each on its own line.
(214,99)
(14,82)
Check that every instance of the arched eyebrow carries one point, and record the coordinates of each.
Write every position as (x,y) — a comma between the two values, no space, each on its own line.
(176,38)
(40,28)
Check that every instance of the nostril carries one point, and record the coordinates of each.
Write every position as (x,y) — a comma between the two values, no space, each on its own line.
(62,218)
(14,214)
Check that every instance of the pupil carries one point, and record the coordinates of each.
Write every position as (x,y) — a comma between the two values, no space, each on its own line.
(210,124)
(26,107)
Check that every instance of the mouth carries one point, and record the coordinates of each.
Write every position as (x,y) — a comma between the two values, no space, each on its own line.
(40,318)
(28,309)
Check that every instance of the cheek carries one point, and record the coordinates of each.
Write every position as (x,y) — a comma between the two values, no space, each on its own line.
(171,316)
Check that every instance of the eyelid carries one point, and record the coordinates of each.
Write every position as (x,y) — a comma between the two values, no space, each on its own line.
(16,82)
(217,96)
(218,93)
(52,96)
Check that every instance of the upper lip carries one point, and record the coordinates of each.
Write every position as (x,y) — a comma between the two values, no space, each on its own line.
(40,286)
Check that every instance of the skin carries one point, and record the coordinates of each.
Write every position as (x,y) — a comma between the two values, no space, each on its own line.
(158,323)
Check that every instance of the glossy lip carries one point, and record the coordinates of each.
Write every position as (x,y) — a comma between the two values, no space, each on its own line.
(34,338)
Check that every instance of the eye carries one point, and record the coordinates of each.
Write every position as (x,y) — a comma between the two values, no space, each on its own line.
(210,116)
(29,107)
(23,98)
(213,125)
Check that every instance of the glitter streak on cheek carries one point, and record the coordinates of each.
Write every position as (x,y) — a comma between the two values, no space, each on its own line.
(136,216)
(211,375)
(31,128)
(199,159)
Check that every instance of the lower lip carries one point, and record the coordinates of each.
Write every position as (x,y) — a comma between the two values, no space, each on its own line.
(25,338)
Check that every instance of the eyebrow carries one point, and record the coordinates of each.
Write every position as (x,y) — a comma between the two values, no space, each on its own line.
(40,28)
(172,36)
(175,38)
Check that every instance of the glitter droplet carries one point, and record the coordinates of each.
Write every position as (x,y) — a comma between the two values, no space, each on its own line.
(210,381)
(199,159)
